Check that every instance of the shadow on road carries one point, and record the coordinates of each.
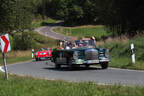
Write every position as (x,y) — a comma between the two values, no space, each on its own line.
(72,69)
(52,24)
(51,66)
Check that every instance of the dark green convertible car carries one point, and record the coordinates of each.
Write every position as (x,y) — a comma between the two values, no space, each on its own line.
(80,52)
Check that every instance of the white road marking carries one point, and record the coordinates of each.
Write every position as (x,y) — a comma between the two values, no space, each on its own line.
(1,69)
(126,69)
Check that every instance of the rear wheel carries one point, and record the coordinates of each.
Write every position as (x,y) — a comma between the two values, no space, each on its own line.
(37,59)
(104,65)
(57,66)
(87,66)
(70,67)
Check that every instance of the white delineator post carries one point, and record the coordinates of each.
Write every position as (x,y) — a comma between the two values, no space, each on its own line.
(133,54)
(32,53)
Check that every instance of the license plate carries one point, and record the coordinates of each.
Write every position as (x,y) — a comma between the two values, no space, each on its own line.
(43,58)
(79,61)
(92,61)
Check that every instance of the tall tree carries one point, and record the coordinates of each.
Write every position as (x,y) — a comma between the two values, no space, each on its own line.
(124,16)
(6,15)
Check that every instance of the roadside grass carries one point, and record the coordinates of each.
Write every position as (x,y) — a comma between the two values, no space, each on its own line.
(16,56)
(98,31)
(40,22)
(28,86)
(120,53)
(43,41)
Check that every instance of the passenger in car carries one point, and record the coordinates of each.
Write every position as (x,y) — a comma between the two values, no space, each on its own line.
(61,45)
(74,45)
(94,39)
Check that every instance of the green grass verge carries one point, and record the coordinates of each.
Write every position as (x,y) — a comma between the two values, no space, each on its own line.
(43,41)
(17,56)
(16,59)
(40,23)
(27,86)
(120,53)
(87,31)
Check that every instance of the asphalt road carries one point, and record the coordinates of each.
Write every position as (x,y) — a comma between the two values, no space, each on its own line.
(48,31)
(45,69)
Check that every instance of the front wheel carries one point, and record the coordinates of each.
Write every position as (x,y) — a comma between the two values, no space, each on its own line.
(57,66)
(87,66)
(37,59)
(104,65)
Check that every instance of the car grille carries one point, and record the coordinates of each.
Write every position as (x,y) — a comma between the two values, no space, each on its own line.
(91,54)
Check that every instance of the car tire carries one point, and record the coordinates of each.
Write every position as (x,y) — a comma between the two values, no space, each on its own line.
(87,66)
(104,65)
(70,67)
(37,59)
(57,66)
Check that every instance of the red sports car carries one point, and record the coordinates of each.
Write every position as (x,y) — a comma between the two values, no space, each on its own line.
(43,53)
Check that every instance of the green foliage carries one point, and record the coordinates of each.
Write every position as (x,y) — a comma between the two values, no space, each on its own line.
(30,39)
(40,22)
(6,15)
(120,16)
(43,41)
(124,16)
(23,15)
(15,15)
(23,41)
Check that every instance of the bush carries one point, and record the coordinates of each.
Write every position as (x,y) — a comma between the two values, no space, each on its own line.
(23,41)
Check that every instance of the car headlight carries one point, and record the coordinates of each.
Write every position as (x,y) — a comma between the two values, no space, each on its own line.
(42,53)
(75,55)
(107,53)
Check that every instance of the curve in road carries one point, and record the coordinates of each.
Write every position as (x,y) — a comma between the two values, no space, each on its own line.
(45,69)
(48,31)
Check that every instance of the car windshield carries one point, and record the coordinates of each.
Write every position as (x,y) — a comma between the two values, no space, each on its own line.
(84,43)
(44,49)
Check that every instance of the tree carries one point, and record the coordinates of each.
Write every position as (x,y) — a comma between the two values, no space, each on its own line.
(23,15)
(15,15)
(124,16)
(6,16)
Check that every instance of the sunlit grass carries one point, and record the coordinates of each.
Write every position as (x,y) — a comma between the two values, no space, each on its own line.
(27,86)
(44,41)
(17,56)
(98,31)
(40,23)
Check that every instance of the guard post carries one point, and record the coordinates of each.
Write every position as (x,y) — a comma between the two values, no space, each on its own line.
(132,53)
(32,53)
